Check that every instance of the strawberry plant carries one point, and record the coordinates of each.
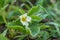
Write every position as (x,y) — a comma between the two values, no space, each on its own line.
(29,20)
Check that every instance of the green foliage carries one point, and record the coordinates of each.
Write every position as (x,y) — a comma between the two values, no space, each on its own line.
(44,14)
(34,29)
(3,37)
(1,19)
(1,3)
(33,10)
(36,18)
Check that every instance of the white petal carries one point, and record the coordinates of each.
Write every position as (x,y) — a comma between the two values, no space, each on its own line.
(25,14)
(25,23)
(28,18)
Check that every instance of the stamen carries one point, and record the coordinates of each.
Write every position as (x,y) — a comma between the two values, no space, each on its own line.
(24,19)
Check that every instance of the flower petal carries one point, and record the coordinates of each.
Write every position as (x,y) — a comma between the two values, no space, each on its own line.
(25,15)
(25,23)
(28,18)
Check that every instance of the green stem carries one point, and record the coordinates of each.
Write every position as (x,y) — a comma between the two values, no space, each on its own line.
(2,13)
(4,18)
(44,9)
(27,6)
(30,3)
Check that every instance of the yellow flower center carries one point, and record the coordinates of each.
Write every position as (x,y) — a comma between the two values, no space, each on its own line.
(24,19)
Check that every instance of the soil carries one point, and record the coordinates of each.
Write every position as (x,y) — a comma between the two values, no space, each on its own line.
(2,27)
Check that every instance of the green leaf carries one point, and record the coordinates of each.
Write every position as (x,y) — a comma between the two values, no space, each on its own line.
(43,16)
(44,35)
(14,22)
(20,28)
(44,26)
(1,3)
(52,14)
(16,25)
(13,14)
(1,19)
(34,30)
(21,11)
(3,37)
(34,10)
(36,18)
(21,37)
(54,33)
(56,26)
(40,2)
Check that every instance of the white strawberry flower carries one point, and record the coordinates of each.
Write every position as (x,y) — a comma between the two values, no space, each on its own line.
(24,19)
